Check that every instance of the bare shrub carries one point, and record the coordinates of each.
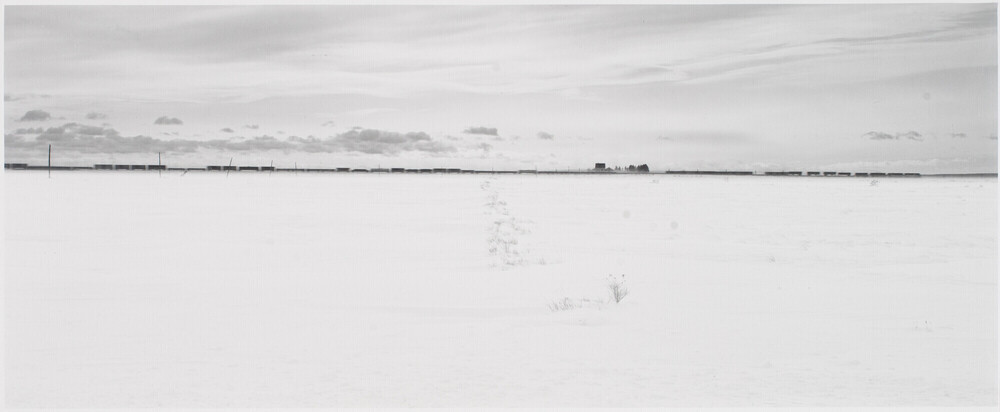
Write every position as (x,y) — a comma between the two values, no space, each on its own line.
(616,285)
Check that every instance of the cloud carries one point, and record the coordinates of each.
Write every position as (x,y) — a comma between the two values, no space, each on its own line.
(226,130)
(259,143)
(486,148)
(79,138)
(958,135)
(878,136)
(96,116)
(489,131)
(12,98)
(35,116)
(329,123)
(30,130)
(546,136)
(910,135)
(164,120)
(11,141)
(373,141)
(74,137)
(251,126)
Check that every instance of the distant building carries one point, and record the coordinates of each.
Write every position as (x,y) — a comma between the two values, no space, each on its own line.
(600,166)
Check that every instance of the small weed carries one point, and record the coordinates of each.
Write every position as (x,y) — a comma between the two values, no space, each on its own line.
(569,304)
(616,285)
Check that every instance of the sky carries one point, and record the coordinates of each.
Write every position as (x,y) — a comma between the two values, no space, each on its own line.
(897,87)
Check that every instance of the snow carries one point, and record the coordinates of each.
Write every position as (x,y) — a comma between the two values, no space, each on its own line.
(136,289)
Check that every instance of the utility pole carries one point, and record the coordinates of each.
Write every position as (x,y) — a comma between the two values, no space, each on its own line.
(50,161)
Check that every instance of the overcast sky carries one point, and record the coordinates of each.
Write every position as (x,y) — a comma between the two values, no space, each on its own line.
(846,87)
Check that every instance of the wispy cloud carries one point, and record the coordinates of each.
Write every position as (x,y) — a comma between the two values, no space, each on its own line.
(96,116)
(13,98)
(546,136)
(707,137)
(910,135)
(367,112)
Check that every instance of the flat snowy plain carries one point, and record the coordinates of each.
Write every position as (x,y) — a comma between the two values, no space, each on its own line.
(135,289)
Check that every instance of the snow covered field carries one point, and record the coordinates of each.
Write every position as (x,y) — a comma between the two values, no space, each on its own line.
(335,290)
